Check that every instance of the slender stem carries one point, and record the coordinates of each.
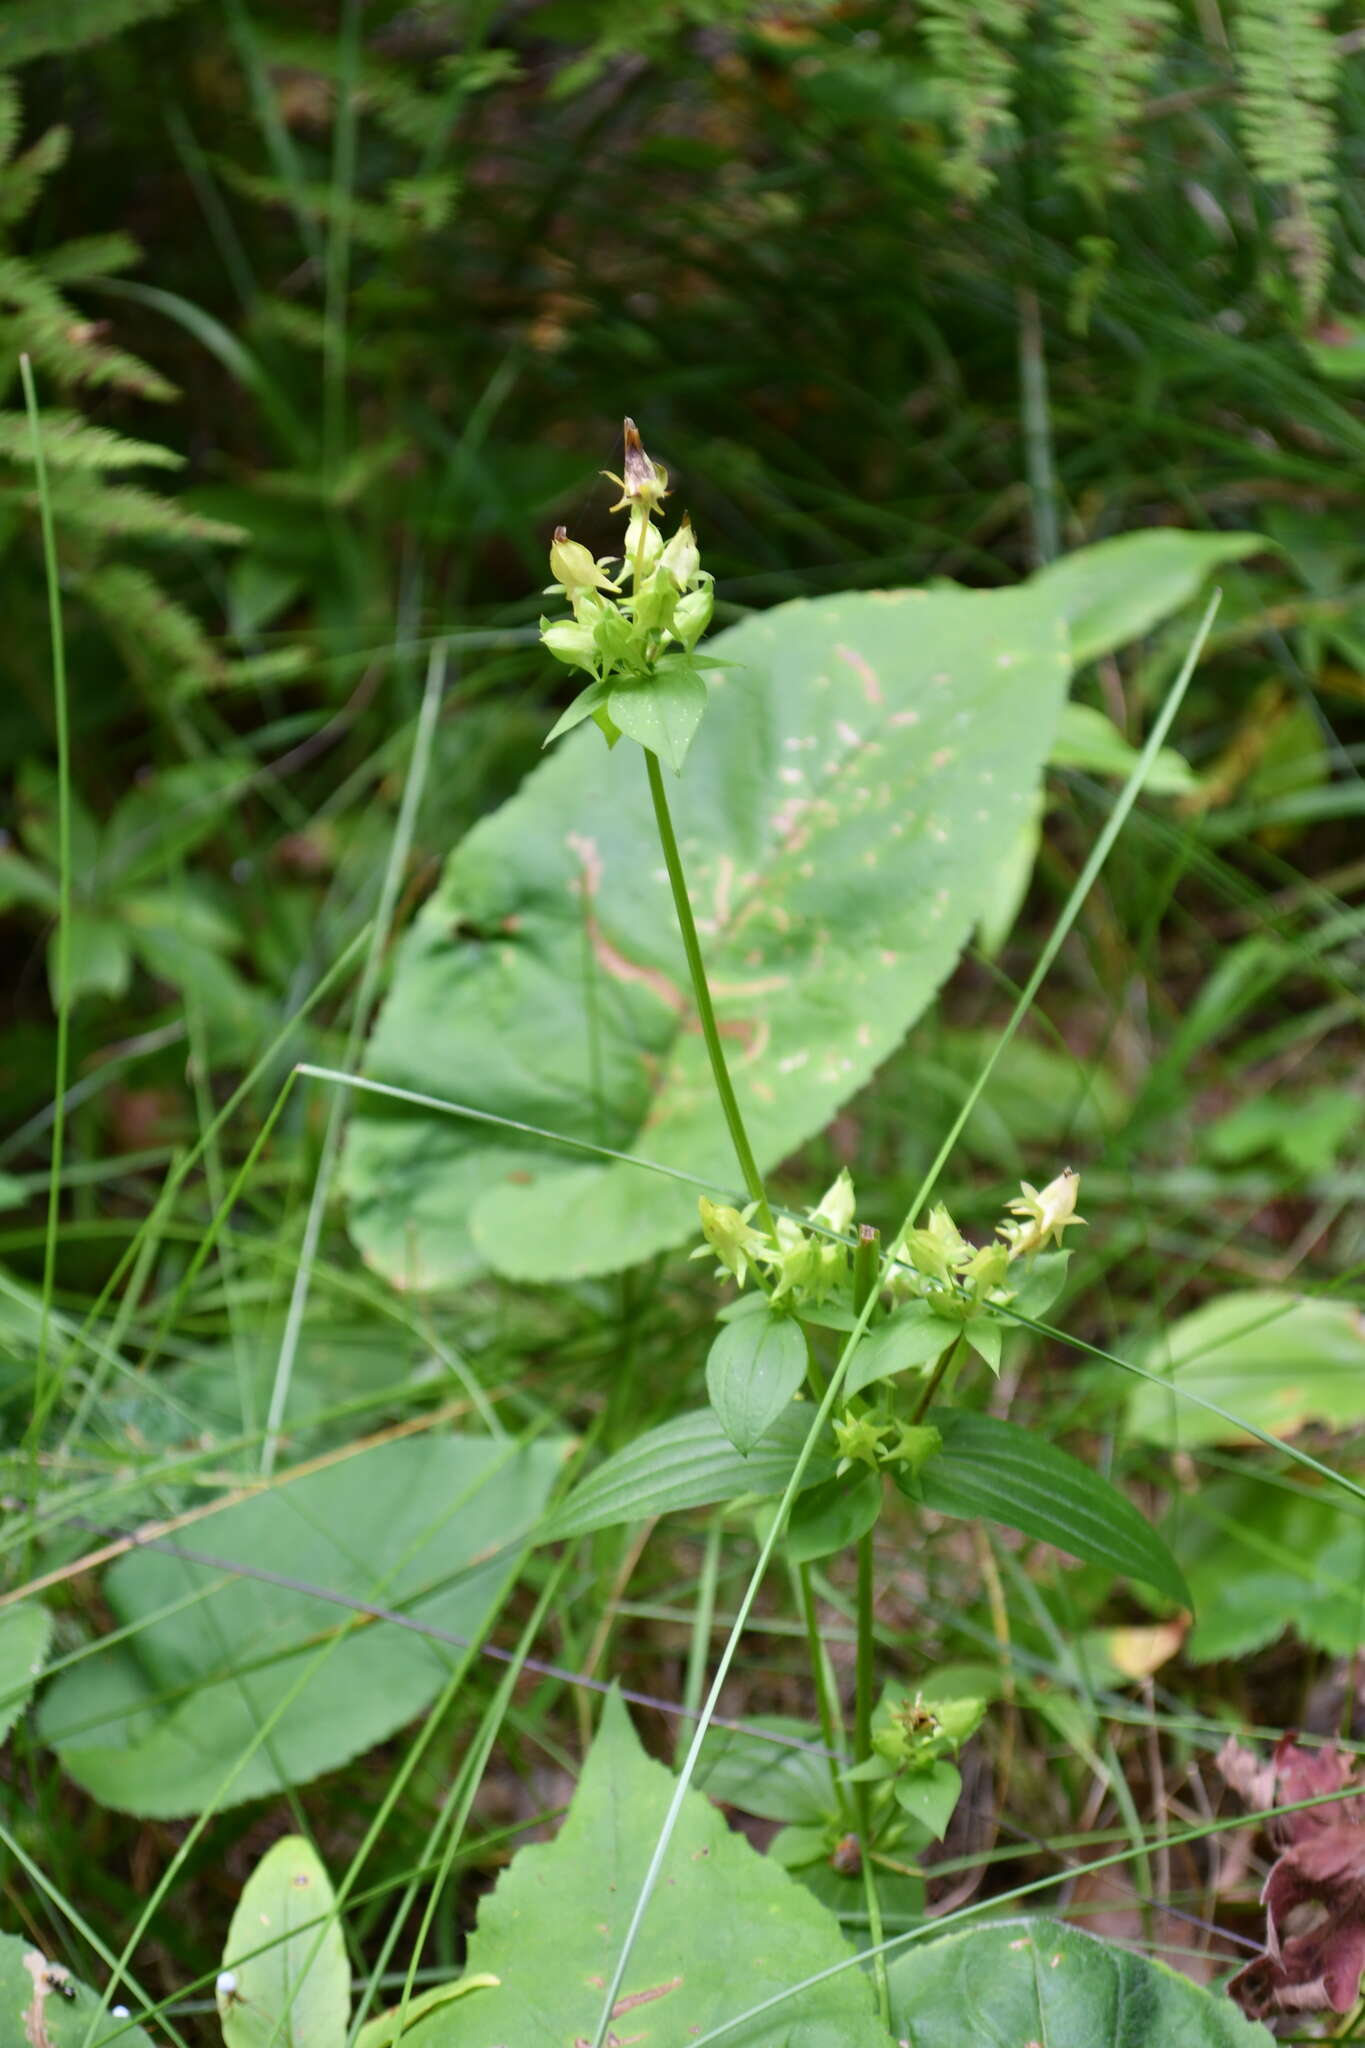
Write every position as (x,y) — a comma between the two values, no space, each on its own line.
(867,1264)
(862,1749)
(956,1350)
(748,1165)
(831,1727)
(44,1394)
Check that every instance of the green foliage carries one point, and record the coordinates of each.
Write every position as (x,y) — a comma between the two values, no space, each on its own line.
(25,1633)
(285,1959)
(994,1469)
(1288,66)
(1262,1559)
(43,2006)
(730,1930)
(1116,591)
(753,1370)
(226,1688)
(1259,1355)
(840,835)
(39,28)
(972,43)
(1037,1979)
(1112,50)
(686,1463)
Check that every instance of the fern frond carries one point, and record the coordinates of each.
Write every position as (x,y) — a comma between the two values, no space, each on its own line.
(70,443)
(1288,65)
(11,119)
(118,511)
(86,256)
(1111,50)
(971,42)
(161,641)
(46,28)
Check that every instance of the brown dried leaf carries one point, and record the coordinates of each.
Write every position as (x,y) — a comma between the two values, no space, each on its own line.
(1314,1895)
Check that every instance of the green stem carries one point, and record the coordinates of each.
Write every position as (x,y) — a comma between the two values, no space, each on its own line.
(748,1165)
(867,1263)
(956,1350)
(862,1748)
(831,1729)
(45,1391)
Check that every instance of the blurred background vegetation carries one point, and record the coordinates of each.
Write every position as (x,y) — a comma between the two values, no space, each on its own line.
(334,310)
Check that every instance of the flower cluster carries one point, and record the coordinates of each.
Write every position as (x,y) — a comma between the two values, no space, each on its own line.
(913,1733)
(629,611)
(804,1268)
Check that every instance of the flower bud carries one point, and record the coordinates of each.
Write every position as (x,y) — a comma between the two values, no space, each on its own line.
(692,616)
(574,569)
(571,642)
(645,482)
(682,557)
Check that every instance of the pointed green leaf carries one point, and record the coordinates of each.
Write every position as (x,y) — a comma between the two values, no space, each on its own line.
(727,1929)
(686,1463)
(1087,739)
(1036,1981)
(1119,589)
(34,2007)
(1010,1475)
(828,1518)
(847,802)
(291,1979)
(754,1368)
(99,960)
(912,1337)
(25,1632)
(662,714)
(930,1796)
(770,1779)
(398,2021)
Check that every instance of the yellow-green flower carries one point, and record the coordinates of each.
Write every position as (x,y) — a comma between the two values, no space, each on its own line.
(1046,1214)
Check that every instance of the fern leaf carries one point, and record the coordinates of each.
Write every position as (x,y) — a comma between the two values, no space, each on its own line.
(162,642)
(46,28)
(1111,50)
(118,511)
(971,42)
(1288,64)
(69,443)
(86,256)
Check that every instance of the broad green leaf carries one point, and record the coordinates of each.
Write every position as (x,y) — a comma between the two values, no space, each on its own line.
(686,1463)
(1261,1559)
(931,1796)
(662,715)
(1013,1476)
(397,2023)
(1274,1359)
(99,961)
(294,1992)
(1087,739)
(828,1518)
(912,1337)
(429,1525)
(25,1632)
(754,1368)
(36,2012)
(1029,1982)
(1307,1131)
(726,1929)
(1119,589)
(769,1779)
(22,882)
(854,786)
